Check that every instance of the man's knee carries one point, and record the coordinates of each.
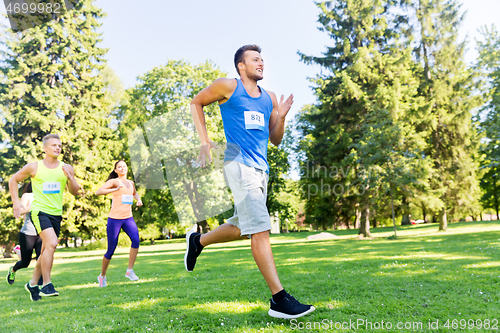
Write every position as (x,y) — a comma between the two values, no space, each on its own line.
(51,245)
(49,242)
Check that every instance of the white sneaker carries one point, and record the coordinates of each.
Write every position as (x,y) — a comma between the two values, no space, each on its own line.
(103,282)
(130,274)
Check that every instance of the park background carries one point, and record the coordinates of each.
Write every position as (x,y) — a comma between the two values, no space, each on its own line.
(402,113)
(395,119)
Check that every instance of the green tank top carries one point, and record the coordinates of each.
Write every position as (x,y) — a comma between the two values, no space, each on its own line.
(48,188)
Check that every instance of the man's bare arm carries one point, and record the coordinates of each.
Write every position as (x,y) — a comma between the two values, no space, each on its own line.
(219,91)
(277,119)
(73,186)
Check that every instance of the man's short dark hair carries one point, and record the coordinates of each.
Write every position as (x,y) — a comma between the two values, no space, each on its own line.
(239,56)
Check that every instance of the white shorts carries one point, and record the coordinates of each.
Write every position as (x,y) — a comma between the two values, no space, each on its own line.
(249,188)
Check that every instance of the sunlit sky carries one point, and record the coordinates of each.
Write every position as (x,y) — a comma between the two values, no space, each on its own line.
(143,34)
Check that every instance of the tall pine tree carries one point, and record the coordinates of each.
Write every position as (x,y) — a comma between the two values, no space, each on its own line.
(489,66)
(52,83)
(447,86)
(360,134)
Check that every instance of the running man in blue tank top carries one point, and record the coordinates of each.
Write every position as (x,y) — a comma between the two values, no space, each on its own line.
(251,116)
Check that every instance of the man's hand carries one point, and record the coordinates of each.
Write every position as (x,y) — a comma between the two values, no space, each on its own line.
(284,107)
(74,188)
(17,208)
(67,172)
(204,152)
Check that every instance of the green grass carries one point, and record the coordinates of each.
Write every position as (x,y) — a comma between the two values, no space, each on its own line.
(423,276)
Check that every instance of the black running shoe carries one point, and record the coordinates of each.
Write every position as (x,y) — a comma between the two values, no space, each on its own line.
(11,276)
(289,308)
(192,251)
(34,292)
(48,290)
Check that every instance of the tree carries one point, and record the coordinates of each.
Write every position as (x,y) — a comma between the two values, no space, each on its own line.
(446,86)
(52,83)
(161,145)
(403,117)
(367,90)
(489,67)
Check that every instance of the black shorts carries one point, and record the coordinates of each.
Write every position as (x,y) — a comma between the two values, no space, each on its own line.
(43,221)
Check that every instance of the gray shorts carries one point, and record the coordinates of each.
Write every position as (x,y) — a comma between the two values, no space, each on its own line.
(249,188)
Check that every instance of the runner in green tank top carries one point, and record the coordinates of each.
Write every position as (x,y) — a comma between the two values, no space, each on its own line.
(49,178)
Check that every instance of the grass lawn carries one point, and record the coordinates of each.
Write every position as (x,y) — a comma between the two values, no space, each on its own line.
(423,277)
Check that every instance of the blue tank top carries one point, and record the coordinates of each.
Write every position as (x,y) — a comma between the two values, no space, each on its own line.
(246,125)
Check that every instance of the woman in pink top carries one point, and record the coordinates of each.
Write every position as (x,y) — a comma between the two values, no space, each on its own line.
(120,217)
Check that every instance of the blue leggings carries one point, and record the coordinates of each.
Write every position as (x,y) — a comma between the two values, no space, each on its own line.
(113,230)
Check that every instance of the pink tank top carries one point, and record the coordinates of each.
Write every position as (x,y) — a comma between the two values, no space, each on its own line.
(121,206)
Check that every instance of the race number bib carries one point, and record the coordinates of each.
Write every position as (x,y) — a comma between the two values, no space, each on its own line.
(127,199)
(51,187)
(254,120)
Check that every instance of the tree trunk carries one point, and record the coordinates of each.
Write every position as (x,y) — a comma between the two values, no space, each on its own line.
(393,219)
(357,221)
(424,213)
(443,222)
(373,221)
(495,196)
(66,239)
(364,228)
(405,220)
(8,250)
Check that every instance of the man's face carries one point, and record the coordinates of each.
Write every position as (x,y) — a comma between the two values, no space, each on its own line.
(253,65)
(53,147)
